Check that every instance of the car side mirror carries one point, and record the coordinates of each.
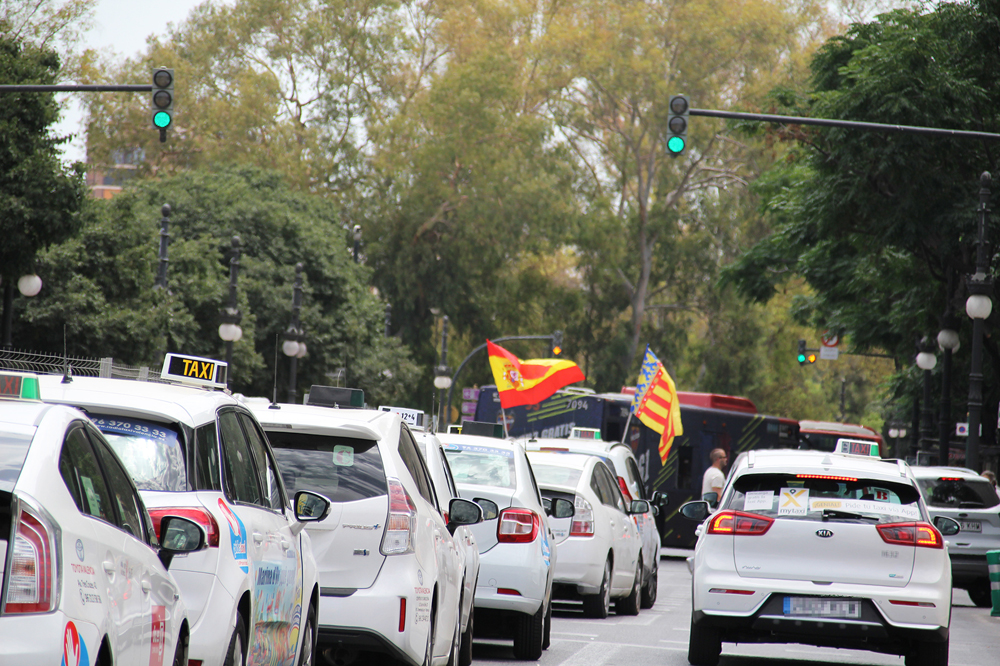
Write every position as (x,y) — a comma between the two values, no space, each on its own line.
(947,526)
(711,498)
(660,499)
(698,510)
(559,507)
(490,508)
(639,506)
(310,507)
(463,512)
(179,535)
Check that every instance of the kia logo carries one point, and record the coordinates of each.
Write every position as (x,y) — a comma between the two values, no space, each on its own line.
(826,534)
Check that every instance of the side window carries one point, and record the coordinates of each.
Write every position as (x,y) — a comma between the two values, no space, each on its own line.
(268,471)
(415,463)
(122,491)
(610,494)
(82,475)
(635,477)
(534,483)
(241,480)
(452,489)
(596,487)
(207,458)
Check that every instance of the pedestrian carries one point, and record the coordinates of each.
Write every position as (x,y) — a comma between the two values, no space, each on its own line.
(714,479)
(990,476)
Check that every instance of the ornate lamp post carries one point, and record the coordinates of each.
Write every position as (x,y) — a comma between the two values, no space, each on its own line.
(978,307)
(442,373)
(357,241)
(28,285)
(294,346)
(161,275)
(926,360)
(947,340)
(229,329)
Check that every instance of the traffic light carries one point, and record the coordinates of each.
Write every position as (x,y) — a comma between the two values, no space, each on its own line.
(805,355)
(557,338)
(163,100)
(677,124)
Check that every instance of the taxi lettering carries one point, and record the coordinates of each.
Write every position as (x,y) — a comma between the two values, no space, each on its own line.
(198,369)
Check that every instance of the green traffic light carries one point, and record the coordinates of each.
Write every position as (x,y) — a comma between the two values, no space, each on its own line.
(802,358)
(675,144)
(161,119)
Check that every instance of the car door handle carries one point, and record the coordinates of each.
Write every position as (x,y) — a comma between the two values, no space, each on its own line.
(109,568)
(146,586)
(258,538)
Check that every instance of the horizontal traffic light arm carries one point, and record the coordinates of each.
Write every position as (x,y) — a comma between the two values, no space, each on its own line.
(70,87)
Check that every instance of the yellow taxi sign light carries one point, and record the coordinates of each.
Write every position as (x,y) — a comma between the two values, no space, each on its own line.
(194,370)
(857,447)
(19,386)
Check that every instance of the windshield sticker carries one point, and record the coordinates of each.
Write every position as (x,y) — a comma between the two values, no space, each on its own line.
(471,448)
(756,500)
(343,455)
(910,511)
(793,502)
(237,536)
(74,647)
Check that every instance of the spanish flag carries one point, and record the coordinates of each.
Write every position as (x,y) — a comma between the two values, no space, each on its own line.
(656,404)
(531,381)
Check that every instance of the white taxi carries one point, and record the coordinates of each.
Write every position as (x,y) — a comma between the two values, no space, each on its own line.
(390,570)
(825,549)
(84,578)
(514,592)
(600,553)
(195,451)
(620,459)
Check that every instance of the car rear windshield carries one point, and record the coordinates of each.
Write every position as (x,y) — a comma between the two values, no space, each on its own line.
(151,452)
(552,475)
(825,497)
(481,465)
(343,469)
(957,493)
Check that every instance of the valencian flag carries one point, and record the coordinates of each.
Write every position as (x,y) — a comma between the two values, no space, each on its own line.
(656,404)
(530,381)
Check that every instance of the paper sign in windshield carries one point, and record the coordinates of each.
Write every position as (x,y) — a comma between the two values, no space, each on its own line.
(757,500)
(793,502)
(343,455)
(909,511)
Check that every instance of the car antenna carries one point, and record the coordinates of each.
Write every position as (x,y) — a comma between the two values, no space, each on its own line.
(67,368)
(274,391)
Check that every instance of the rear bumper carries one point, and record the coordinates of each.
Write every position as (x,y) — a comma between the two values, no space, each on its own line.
(509,568)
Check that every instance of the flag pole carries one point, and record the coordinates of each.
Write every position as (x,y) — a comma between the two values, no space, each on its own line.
(625,429)
(506,435)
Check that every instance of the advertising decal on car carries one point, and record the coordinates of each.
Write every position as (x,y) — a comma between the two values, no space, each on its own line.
(74,647)
(237,536)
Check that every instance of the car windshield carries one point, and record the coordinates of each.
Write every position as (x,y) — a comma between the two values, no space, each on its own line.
(343,469)
(958,493)
(151,452)
(825,497)
(481,465)
(553,475)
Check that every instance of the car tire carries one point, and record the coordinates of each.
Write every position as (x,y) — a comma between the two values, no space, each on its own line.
(236,655)
(925,653)
(307,655)
(705,645)
(465,653)
(528,635)
(630,605)
(981,595)
(598,605)
(547,631)
(181,650)
(650,588)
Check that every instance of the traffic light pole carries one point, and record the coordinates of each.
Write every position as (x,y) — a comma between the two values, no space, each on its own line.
(70,87)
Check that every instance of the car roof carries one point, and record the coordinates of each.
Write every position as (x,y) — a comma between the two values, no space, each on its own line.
(24,413)
(593,447)
(794,460)
(170,402)
(571,460)
(934,472)
(478,440)
(367,424)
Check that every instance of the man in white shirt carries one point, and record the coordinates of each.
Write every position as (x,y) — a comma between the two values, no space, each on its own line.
(714,479)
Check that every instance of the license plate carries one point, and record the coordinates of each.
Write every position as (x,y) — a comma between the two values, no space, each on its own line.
(971,525)
(813,607)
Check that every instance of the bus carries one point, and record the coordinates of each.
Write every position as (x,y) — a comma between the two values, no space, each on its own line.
(709,420)
(823,435)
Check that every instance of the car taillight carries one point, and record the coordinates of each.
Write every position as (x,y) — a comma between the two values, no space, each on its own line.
(398,537)
(583,518)
(31,574)
(737,522)
(203,517)
(624,487)
(911,534)
(517,526)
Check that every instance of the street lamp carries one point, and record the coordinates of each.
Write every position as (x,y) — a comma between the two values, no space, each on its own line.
(357,241)
(978,307)
(926,360)
(229,329)
(947,340)
(28,285)
(442,373)
(294,346)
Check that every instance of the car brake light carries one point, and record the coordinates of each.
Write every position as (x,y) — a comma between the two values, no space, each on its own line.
(517,526)
(950,478)
(921,604)
(828,477)
(201,516)
(401,522)
(911,534)
(624,487)
(32,571)
(740,523)
(720,590)
(583,518)
(402,613)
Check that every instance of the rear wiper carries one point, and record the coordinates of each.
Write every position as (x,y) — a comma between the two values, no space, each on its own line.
(831,513)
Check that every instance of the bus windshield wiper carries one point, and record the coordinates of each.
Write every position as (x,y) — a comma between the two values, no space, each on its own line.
(832,513)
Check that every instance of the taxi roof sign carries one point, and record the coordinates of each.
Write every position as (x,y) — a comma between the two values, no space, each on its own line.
(194,370)
(19,386)
(857,447)
(585,433)
(414,418)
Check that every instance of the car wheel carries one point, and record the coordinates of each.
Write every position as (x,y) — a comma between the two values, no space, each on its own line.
(630,605)
(307,655)
(927,654)
(181,651)
(981,595)
(598,605)
(528,635)
(705,645)
(465,653)
(547,631)
(650,588)
(237,653)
